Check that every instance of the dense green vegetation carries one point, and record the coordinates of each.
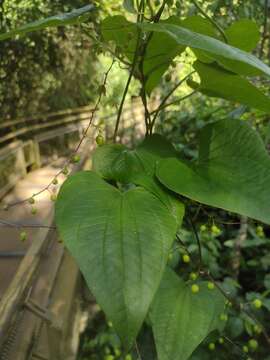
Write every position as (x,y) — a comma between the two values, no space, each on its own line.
(172,236)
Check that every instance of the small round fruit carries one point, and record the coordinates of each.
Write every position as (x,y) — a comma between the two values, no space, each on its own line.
(203,228)
(221,340)
(260,231)
(75,159)
(211,286)
(128,357)
(223,317)
(55,181)
(215,230)
(65,171)
(33,210)
(31,200)
(100,140)
(53,197)
(257,303)
(195,288)
(193,276)
(257,329)
(253,344)
(23,236)
(168,78)
(186,259)
(245,349)
(211,346)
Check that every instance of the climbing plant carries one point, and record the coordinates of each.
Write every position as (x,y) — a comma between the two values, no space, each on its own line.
(121,219)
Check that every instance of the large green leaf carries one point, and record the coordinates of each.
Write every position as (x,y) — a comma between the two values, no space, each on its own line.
(243,34)
(73,17)
(228,56)
(120,241)
(181,320)
(116,162)
(233,171)
(218,82)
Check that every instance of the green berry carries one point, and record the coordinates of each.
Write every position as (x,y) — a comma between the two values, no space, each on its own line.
(260,231)
(23,236)
(211,346)
(253,344)
(117,352)
(110,324)
(245,349)
(100,140)
(53,197)
(223,317)
(31,200)
(221,340)
(186,259)
(215,230)
(211,286)
(195,288)
(128,357)
(75,159)
(257,303)
(257,329)
(33,210)
(193,276)
(55,181)
(65,171)
(168,78)
(203,228)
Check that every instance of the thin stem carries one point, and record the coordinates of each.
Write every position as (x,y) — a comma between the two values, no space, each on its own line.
(163,102)
(198,242)
(175,102)
(4,223)
(134,63)
(138,351)
(211,20)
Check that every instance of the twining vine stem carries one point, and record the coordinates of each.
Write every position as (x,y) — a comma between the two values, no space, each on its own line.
(102,91)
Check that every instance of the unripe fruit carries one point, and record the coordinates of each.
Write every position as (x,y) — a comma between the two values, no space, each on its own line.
(203,228)
(100,140)
(55,181)
(193,276)
(186,259)
(210,286)
(221,340)
(109,357)
(257,329)
(195,288)
(53,197)
(223,317)
(75,159)
(33,211)
(245,349)
(259,231)
(23,236)
(257,303)
(211,346)
(128,357)
(253,344)
(168,78)
(215,230)
(65,171)
(31,200)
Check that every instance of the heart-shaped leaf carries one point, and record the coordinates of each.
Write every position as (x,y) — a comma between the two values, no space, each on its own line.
(233,171)
(181,320)
(72,17)
(138,166)
(228,56)
(121,243)
(218,82)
